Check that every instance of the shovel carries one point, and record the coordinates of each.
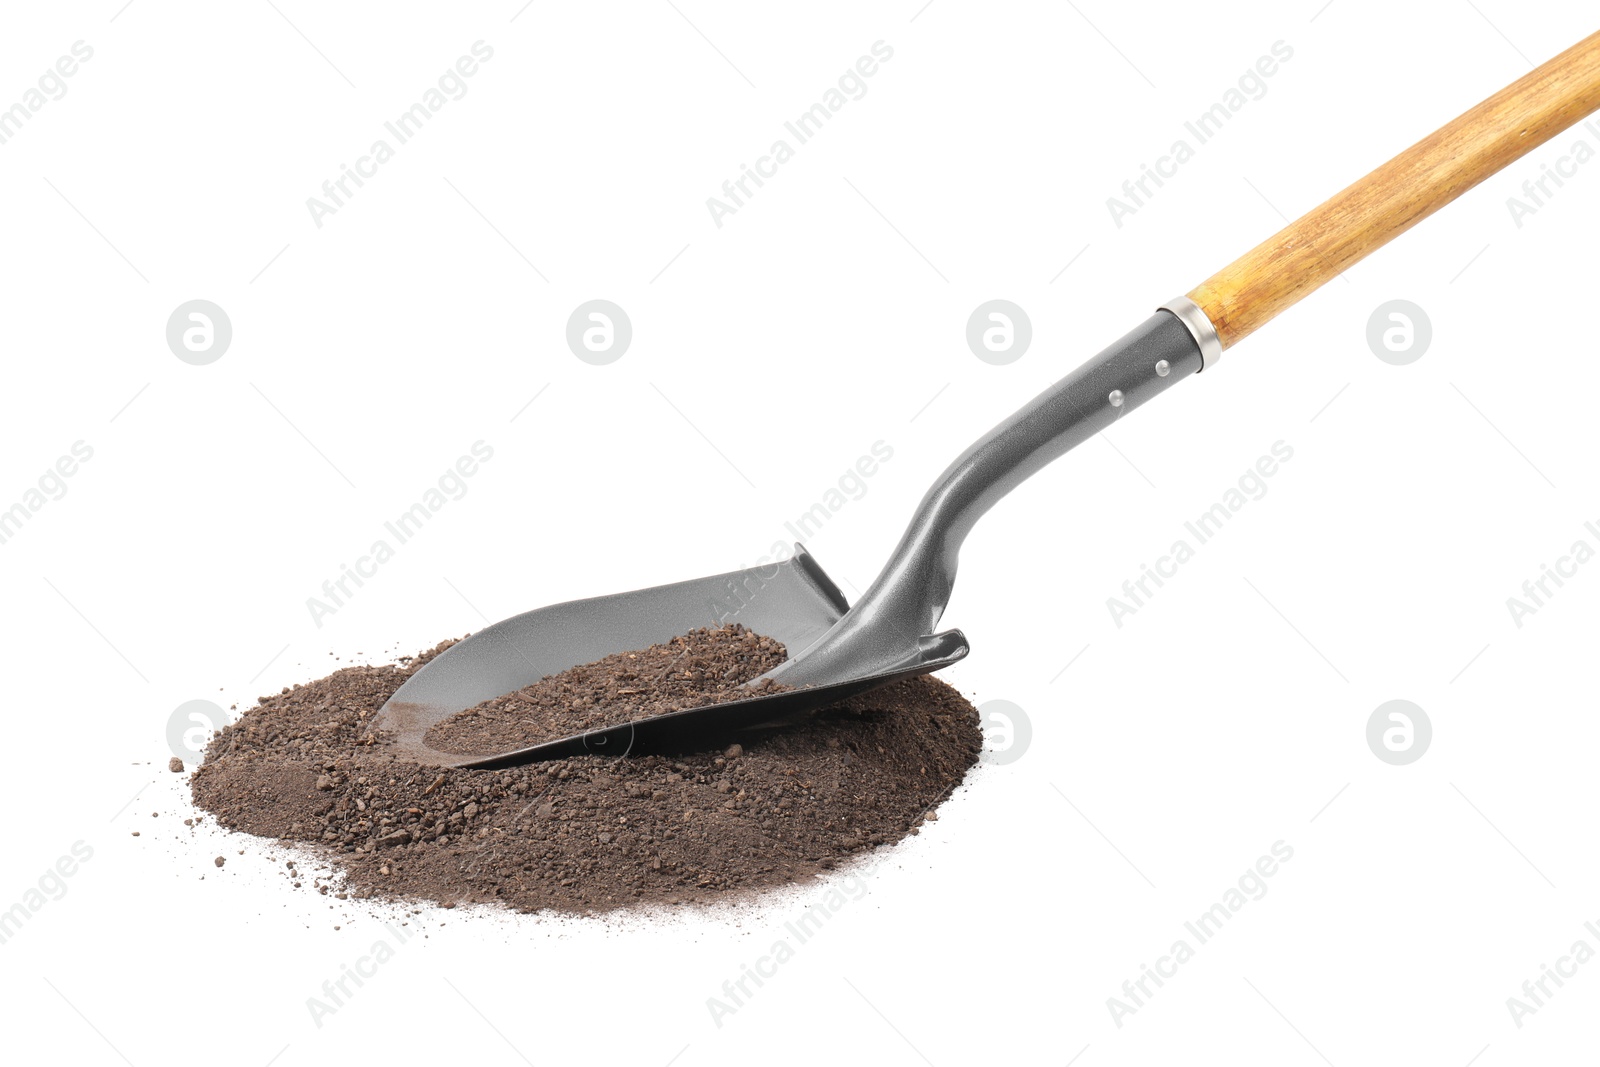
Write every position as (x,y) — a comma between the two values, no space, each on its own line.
(837,651)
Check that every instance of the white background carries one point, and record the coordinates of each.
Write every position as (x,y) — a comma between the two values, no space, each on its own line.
(827,314)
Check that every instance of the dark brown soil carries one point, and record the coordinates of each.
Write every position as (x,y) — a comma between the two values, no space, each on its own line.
(706,666)
(588,833)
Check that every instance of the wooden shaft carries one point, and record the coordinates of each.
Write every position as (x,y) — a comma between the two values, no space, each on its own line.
(1252,290)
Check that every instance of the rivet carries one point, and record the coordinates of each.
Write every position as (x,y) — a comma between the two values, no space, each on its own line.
(1163,368)
(1115,398)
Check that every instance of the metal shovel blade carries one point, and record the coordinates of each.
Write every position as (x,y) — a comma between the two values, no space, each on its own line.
(834,650)
(794,602)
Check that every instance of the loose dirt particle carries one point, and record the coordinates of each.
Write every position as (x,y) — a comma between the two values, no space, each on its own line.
(705,666)
(590,833)
(175,765)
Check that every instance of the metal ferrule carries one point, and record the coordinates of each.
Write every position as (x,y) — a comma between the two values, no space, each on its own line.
(1200,328)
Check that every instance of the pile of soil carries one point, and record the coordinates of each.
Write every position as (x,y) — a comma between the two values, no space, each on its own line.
(706,666)
(591,833)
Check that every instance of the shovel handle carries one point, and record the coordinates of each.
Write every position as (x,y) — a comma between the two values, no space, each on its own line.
(1276,274)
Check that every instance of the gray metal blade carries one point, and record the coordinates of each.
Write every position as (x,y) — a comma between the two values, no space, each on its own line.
(793,602)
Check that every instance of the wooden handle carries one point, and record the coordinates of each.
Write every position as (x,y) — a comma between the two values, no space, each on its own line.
(1277,273)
